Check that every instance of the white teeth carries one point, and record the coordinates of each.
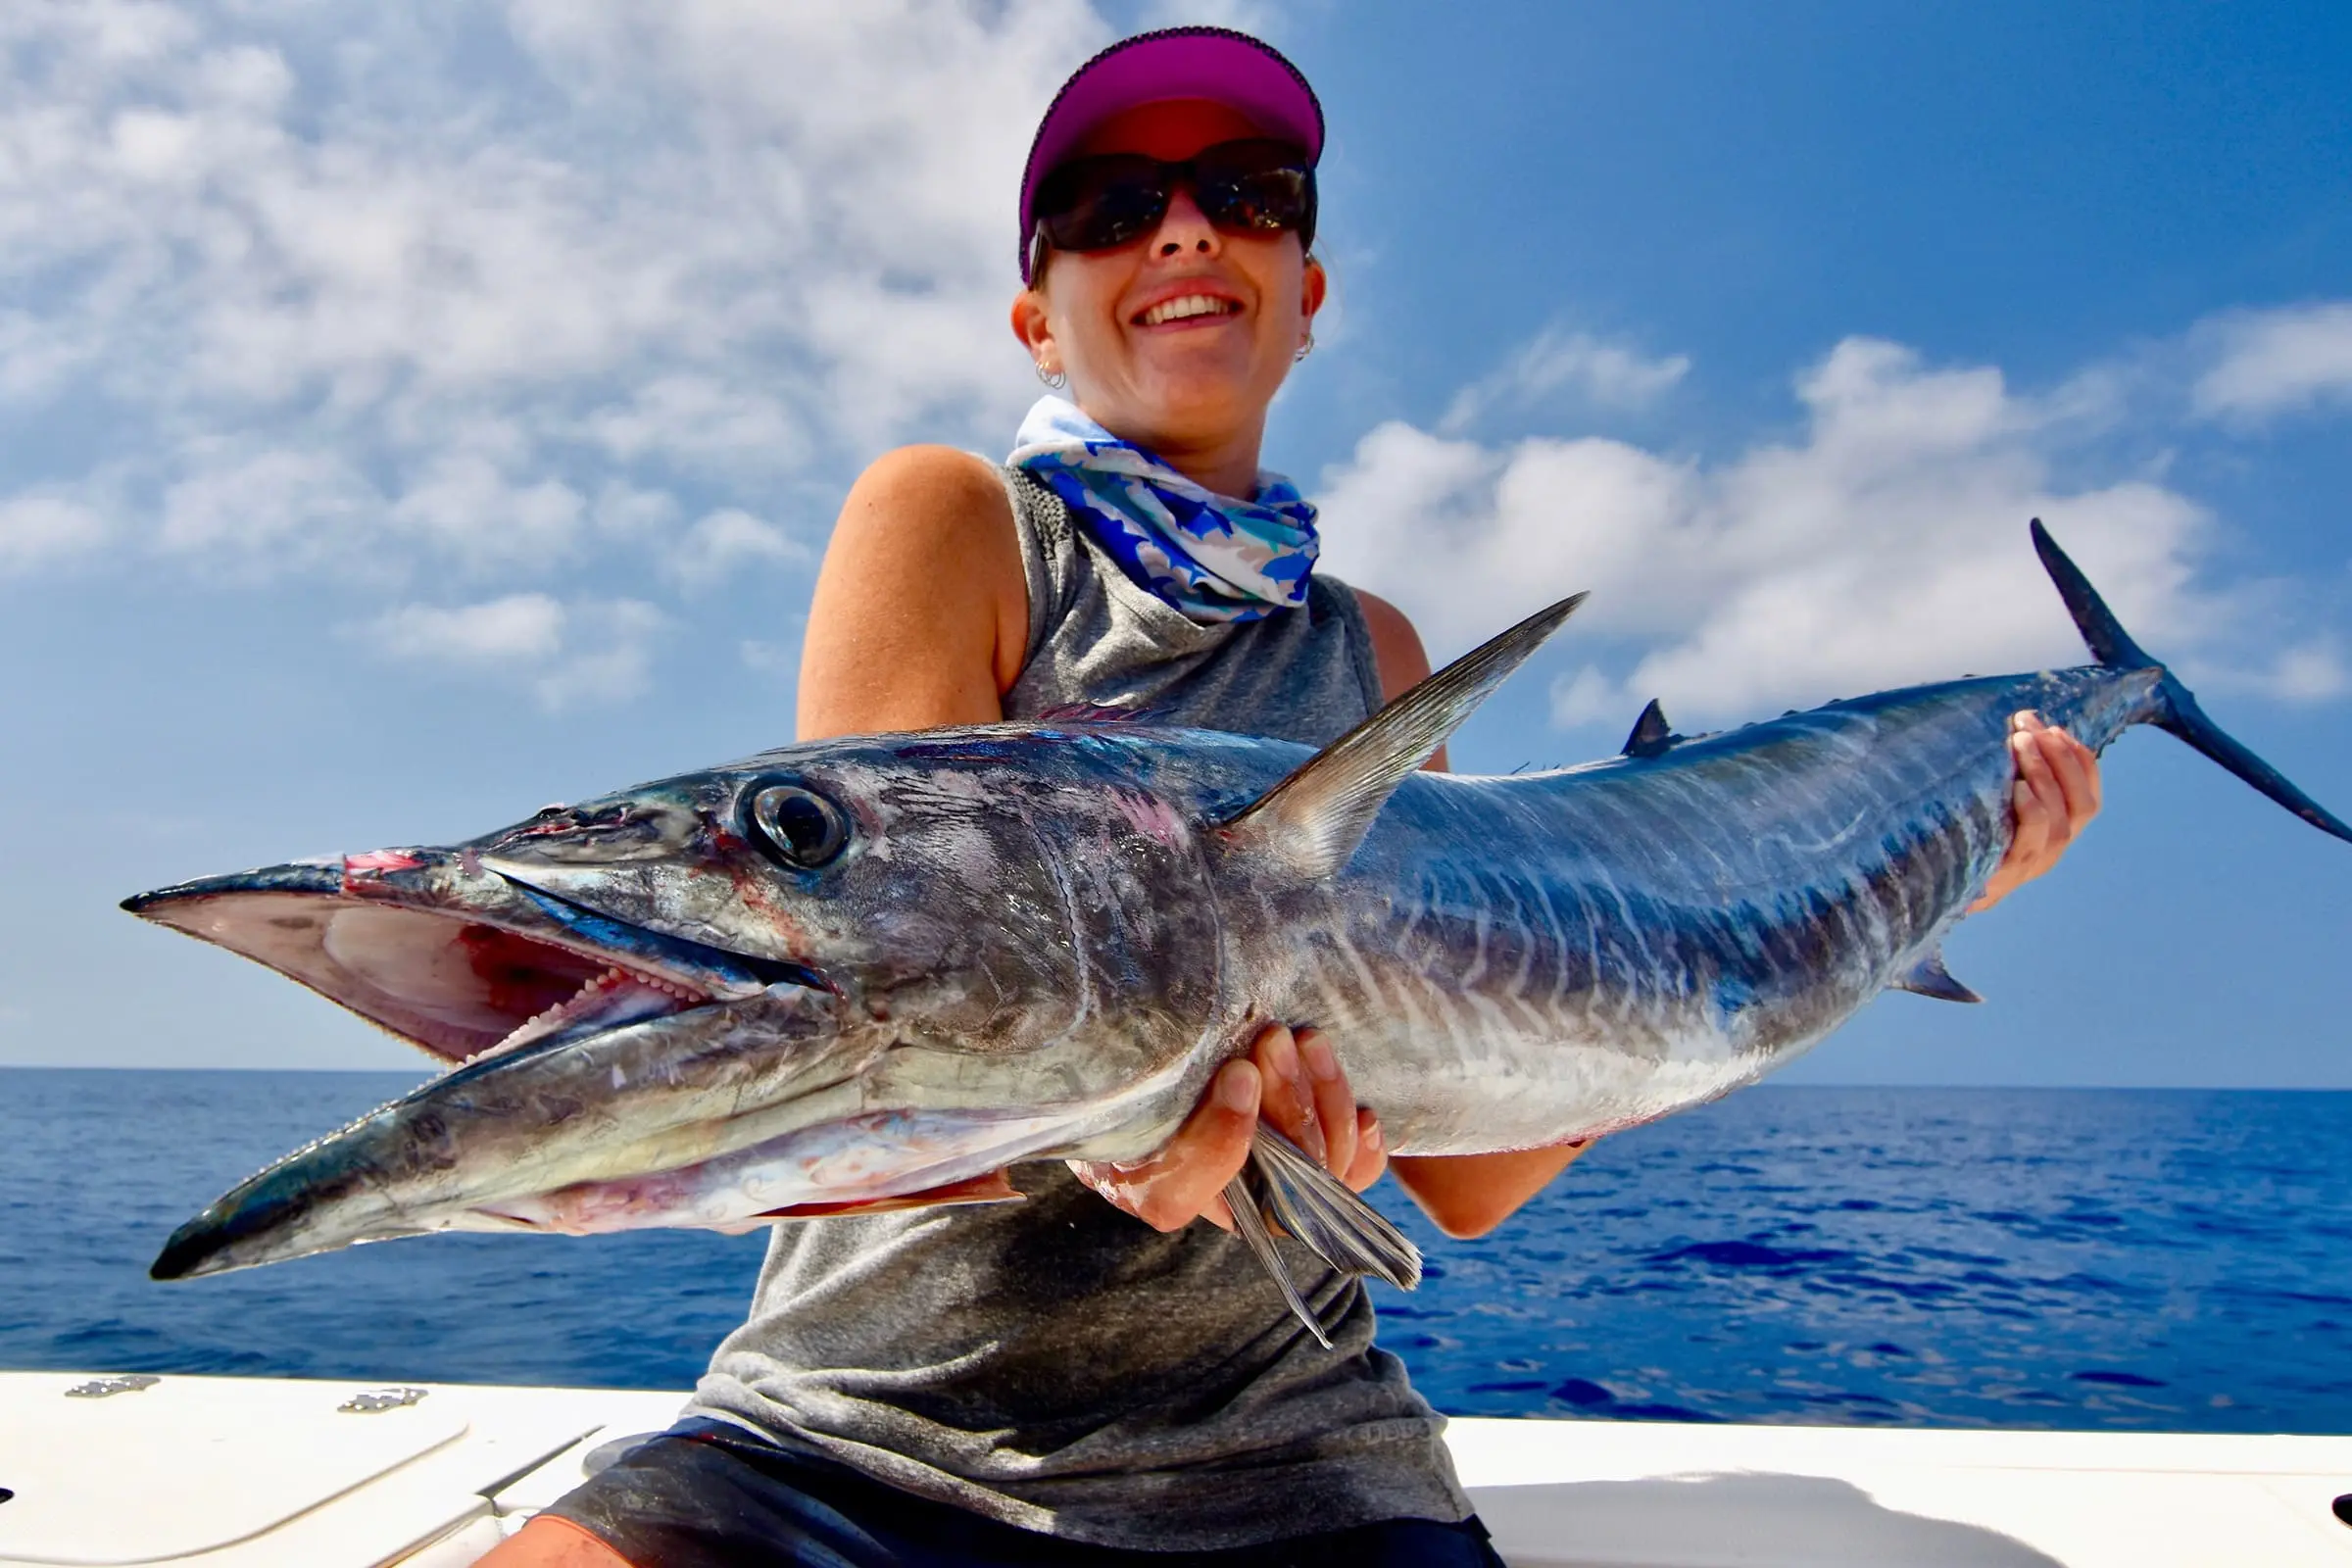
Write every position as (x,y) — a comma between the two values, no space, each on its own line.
(1189,305)
(549,1018)
(657,983)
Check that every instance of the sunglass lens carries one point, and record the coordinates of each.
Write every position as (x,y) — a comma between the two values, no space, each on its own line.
(1255,184)
(1242,186)
(1099,203)
(1268,200)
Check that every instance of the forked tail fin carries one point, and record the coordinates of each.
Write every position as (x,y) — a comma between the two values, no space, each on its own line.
(2178,713)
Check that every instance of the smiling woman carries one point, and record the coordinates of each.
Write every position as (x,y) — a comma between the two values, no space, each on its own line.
(1090,1376)
(1179,344)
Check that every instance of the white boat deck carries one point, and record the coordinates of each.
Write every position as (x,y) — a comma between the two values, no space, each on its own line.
(264,1473)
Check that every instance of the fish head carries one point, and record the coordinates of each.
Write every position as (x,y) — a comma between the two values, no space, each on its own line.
(830,974)
(949,882)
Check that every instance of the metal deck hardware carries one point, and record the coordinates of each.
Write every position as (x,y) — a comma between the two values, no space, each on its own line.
(108,1387)
(376,1400)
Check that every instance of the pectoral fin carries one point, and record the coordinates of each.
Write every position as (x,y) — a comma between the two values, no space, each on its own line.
(1930,978)
(1336,1223)
(1251,1226)
(1287,1187)
(1316,816)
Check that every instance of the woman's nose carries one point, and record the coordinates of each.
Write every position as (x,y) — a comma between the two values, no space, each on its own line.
(1184,229)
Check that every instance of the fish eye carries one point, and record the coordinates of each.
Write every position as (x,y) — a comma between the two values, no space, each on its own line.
(799,826)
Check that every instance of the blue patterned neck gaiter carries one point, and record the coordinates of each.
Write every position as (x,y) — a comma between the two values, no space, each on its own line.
(1211,556)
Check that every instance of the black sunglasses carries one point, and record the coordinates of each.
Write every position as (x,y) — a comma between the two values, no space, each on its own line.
(1253,186)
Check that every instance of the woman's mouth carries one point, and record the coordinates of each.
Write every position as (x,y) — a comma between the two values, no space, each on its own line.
(1186,308)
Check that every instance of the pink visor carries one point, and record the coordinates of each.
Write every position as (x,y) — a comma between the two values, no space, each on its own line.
(1218,64)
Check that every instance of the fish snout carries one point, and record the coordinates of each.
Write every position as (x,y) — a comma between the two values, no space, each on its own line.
(291,1210)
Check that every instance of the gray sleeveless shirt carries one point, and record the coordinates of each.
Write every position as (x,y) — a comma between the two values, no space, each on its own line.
(1056,1363)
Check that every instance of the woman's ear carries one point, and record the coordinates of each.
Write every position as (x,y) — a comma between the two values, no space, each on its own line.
(1034,327)
(1314,287)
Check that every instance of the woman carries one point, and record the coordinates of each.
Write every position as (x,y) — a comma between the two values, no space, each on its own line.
(1053,1381)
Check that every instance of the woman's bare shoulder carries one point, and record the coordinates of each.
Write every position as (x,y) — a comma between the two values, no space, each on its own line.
(921,486)
(922,611)
(928,511)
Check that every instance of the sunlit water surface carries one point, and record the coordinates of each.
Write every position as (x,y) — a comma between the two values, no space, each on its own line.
(2013,1257)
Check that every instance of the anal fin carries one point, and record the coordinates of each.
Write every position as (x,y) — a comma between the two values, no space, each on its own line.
(1930,978)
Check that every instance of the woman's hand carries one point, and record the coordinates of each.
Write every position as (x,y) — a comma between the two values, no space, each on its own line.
(1294,1083)
(2056,793)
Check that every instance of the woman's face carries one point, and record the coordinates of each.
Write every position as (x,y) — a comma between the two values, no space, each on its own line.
(1192,381)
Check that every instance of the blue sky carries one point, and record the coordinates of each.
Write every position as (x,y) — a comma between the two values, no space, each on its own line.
(421,413)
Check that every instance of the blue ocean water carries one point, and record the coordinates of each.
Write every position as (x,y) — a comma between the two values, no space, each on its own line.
(2012,1257)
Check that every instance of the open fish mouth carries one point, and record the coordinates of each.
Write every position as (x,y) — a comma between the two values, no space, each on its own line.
(454,959)
(539,1008)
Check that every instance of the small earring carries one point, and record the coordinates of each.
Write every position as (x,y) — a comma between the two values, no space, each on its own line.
(1305,348)
(1056,379)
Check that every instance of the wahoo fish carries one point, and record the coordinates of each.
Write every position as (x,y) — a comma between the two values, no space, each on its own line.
(876,971)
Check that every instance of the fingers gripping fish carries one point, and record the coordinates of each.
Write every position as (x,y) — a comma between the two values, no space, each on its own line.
(876,971)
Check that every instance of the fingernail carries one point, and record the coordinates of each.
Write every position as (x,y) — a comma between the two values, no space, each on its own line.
(1319,1059)
(1282,1055)
(1237,1087)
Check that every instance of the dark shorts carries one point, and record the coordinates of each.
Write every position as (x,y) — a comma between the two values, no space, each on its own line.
(706,1494)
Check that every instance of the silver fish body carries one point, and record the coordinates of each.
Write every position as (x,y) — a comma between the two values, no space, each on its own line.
(881,969)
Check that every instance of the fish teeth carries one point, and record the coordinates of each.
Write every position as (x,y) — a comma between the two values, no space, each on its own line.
(668,988)
(595,985)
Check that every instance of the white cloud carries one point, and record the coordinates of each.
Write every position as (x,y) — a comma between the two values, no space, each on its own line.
(1887,545)
(608,654)
(275,506)
(2277,361)
(1247,15)
(2310,672)
(466,508)
(520,628)
(697,420)
(585,653)
(778,661)
(1609,375)
(727,542)
(414,283)
(37,529)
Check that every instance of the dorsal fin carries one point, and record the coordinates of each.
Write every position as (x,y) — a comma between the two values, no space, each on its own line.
(1317,816)
(1651,735)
